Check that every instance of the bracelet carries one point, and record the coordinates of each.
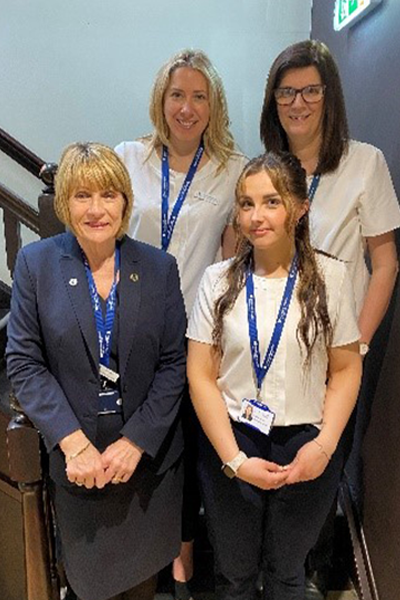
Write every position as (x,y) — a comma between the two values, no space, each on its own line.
(320,446)
(81,451)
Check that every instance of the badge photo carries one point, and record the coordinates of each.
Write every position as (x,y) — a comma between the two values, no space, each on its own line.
(256,415)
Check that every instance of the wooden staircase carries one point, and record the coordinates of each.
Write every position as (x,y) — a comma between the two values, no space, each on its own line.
(27,559)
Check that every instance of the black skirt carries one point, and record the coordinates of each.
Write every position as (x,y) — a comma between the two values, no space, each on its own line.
(115,538)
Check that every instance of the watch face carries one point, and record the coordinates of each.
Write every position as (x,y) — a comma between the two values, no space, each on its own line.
(228,471)
(364,348)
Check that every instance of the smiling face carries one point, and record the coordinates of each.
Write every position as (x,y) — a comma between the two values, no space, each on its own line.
(264,217)
(186,106)
(262,214)
(301,121)
(96,215)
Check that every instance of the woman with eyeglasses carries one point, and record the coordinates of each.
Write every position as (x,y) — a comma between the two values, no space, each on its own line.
(354,209)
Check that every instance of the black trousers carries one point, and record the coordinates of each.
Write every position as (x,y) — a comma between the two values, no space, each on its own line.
(272,530)
(191,492)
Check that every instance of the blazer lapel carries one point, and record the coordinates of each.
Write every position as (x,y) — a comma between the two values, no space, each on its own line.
(129,299)
(75,281)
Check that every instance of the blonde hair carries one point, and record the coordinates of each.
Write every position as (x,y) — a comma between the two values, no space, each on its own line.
(96,166)
(218,140)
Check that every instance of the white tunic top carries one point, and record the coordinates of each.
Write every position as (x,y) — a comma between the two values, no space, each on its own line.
(356,201)
(294,393)
(204,215)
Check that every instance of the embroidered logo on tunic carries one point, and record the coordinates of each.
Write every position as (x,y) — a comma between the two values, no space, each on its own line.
(206,198)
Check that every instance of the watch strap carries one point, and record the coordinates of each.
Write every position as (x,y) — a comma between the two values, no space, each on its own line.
(231,468)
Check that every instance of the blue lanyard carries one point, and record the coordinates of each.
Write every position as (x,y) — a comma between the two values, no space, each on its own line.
(105,325)
(262,369)
(168,224)
(313,186)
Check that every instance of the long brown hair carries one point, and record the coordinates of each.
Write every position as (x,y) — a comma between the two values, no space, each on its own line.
(335,132)
(289,179)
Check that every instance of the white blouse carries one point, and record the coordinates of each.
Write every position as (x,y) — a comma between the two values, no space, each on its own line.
(357,201)
(295,393)
(206,212)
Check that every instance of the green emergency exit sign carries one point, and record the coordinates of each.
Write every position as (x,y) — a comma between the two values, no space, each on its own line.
(349,11)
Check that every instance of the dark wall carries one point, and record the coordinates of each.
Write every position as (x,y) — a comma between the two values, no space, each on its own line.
(368,55)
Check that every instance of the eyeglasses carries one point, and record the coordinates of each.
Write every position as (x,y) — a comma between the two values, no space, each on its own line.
(311,94)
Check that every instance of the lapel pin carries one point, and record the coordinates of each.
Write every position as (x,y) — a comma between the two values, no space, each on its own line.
(134,277)
(73,281)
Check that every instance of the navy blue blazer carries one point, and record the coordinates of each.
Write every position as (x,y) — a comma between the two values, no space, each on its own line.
(53,354)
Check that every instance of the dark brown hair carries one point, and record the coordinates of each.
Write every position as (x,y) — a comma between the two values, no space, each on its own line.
(289,179)
(335,133)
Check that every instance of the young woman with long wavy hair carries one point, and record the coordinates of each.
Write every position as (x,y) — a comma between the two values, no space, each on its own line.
(274,329)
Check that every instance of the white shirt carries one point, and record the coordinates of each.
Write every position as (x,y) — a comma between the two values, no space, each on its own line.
(357,201)
(293,392)
(205,213)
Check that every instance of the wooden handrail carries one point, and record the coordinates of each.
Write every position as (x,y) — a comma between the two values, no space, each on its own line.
(20,153)
(16,212)
(20,209)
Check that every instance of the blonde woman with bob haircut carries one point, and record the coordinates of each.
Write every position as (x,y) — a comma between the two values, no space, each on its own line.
(96,358)
(184,176)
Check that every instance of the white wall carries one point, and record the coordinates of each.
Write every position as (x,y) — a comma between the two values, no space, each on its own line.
(82,69)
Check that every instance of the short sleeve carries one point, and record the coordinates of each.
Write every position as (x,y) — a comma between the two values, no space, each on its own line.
(201,322)
(120,150)
(345,325)
(379,209)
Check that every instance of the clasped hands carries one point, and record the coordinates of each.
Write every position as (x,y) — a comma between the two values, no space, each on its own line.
(309,463)
(90,468)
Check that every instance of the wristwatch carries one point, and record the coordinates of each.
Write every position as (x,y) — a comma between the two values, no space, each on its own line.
(231,468)
(364,348)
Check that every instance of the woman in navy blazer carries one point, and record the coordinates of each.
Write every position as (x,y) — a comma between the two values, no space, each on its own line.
(96,358)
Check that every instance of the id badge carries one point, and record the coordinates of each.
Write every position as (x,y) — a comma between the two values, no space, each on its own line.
(110,401)
(108,374)
(256,415)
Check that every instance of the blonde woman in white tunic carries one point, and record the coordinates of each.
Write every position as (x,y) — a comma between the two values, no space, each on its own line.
(184,177)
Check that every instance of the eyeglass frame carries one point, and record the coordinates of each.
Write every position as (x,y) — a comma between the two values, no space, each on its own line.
(300,91)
